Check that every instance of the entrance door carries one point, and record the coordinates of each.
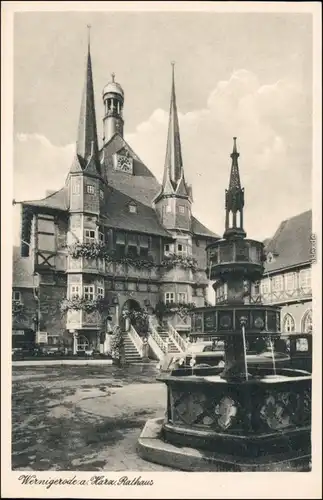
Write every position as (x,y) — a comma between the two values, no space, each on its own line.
(128,307)
(82,343)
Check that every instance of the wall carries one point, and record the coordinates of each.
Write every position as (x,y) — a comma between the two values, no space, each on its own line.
(199,252)
(25,318)
(51,295)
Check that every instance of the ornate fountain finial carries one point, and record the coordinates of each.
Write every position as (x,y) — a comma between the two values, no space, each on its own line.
(234,199)
(113,77)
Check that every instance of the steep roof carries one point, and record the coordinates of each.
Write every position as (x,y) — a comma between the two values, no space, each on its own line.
(56,201)
(22,270)
(87,150)
(118,215)
(173,178)
(141,188)
(291,244)
(200,230)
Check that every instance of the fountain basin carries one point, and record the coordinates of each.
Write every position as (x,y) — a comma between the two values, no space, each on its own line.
(267,416)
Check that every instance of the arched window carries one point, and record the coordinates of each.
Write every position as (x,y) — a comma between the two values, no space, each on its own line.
(307,322)
(288,323)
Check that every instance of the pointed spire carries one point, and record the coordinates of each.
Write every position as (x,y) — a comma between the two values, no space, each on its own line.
(234,200)
(87,141)
(234,175)
(173,162)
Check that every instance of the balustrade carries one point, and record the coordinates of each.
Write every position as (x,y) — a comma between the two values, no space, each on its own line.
(177,338)
(136,339)
(157,338)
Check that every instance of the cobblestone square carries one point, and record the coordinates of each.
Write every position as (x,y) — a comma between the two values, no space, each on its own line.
(82,417)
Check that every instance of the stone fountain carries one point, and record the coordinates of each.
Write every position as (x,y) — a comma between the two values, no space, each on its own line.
(250,415)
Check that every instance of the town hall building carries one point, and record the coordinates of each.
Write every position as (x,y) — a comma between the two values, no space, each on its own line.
(112,241)
(113,246)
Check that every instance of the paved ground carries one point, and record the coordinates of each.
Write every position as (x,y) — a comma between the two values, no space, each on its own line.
(82,417)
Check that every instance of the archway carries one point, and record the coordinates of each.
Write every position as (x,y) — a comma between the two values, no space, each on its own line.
(128,308)
(82,343)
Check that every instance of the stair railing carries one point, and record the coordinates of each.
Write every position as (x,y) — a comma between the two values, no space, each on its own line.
(176,338)
(157,338)
(136,339)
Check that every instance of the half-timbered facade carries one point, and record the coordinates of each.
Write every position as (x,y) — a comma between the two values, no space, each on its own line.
(287,277)
(113,238)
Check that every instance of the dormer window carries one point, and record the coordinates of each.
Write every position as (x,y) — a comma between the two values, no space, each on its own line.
(132,208)
(270,258)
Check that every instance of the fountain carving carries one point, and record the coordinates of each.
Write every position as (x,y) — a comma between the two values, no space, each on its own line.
(252,413)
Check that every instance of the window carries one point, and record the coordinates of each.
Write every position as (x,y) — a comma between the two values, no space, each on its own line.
(181,209)
(90,189)
(101,237)
(166,249)
(100,292)
(76,188)
(16,296)
(143,246)
(132,209)
(132,250)
(277,283)
(264,286)
(290,281)
(270,258)
(182,298)
(288,323)
(101,194)
(75,291)
(89,235)
(88,292)
(305,278)
(307,322)
(181,249)
(169,298)
(302,345)
(120,244)
(256,287)
(132,240)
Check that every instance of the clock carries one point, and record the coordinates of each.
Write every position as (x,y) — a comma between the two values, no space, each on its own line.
(124,163)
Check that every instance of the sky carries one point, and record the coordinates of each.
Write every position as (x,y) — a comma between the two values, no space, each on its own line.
(237,74)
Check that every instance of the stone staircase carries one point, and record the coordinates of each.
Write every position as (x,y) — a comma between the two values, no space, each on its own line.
(172,347)
(132,354)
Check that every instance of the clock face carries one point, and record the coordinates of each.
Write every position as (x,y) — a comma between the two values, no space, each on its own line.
(124,163)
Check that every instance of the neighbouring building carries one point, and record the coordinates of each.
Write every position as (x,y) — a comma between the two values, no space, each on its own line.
(287,278)
(112,241)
